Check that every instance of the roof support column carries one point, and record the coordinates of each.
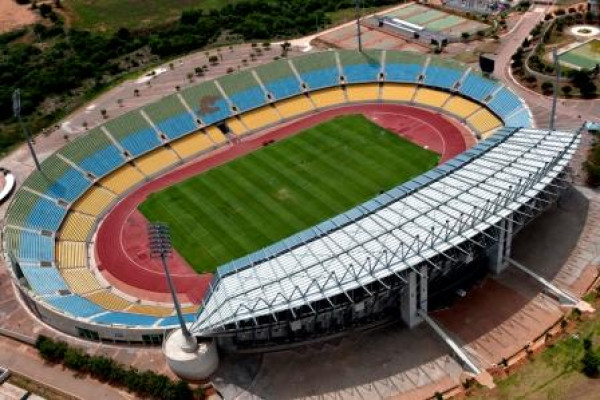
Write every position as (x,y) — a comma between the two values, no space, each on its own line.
(414,297)
(500,253)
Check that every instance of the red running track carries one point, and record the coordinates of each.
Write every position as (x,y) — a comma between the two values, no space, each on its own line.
(122,246)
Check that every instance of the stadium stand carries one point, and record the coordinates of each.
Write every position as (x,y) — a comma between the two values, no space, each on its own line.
(207,102)
(430,97)
(461,107)
(215,135)
(122,180)
(76,227)
(328,97)
(133,132)
(65,202)
(363,92)
(483,121)
(279,79)
(159,160)
(477,87)
(71,254)
(397,92)
(294,106)
(192,144)
(318,70)
(259,118)
(236,126)
(243,90)
(504,103)
(94,152)
(442,73)
(59,180)
(171,117)
(403,67)
(95,201)
(360,67)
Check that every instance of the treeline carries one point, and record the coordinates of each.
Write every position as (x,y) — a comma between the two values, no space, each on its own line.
(145,384)
(51,64)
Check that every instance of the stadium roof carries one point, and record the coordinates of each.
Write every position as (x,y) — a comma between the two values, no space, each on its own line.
(395,231)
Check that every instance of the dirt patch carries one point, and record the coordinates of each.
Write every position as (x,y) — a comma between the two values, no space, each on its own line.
(13,15)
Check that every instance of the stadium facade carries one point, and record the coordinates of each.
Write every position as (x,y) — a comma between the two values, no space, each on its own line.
(358,269)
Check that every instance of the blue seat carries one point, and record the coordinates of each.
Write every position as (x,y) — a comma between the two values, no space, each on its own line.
(441,76)
(75,305)
(45,215)
(177,125)
(477,87)
(140,141)
(35,247)
(123,318)
(504,103)
(519,119)
(69,186)
(285,87)
(249,98)
(44,280)
(362,73)
(102,162)
(408,73)
(321,78)
(174,321)
(217,111)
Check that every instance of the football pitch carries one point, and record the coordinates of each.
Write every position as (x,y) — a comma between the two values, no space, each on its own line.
(253,201)
(585,56)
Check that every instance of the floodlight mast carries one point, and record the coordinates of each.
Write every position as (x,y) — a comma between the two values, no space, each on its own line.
(160,247)
(358,32)
(555,94)
(16,98)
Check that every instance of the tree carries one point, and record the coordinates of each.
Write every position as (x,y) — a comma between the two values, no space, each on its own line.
(567,90)
(136,92)
(120,102)
(104,113)
(465,35)
(45,10)
(591,363)
(190,76)
(547,87)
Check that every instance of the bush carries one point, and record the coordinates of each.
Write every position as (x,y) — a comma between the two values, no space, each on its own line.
(567,90)
(590,363)
(143,384)
(547,87)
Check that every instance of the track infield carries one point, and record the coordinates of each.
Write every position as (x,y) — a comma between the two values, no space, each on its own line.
(267,195)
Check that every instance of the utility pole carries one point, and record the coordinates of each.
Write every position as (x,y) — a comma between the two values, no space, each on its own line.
(556,85)
(16,98)
(358,33)
(160,247)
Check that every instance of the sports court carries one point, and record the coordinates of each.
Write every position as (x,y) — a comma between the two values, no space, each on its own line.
(583,56)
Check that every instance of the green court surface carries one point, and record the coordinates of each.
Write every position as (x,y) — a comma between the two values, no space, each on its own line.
(585,56)
(276,191)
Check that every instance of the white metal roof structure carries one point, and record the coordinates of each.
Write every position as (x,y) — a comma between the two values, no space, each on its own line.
(394,232)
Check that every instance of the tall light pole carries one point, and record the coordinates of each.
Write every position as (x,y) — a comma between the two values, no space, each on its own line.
(556,85)
(160,247)
(16,98)
(358,33)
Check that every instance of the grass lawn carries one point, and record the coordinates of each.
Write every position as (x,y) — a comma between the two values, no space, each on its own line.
(110,15)
(585,56)
(276,191)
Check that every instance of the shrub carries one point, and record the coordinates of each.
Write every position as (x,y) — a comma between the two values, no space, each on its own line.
(547,87)
(567,90)
(590,363)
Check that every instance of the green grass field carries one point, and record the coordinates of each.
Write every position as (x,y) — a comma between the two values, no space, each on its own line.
(279,190)
(585,56)
(110,15)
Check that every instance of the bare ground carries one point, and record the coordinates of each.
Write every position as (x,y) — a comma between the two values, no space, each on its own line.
(13,15)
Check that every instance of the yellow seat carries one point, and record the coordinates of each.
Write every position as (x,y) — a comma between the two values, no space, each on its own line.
(192,144)
(76,227)
(489,133)
(71,254)
(398,92)
(156,311)
(81,280)
(94,201)
(483,121)
(189,309)
(108,300)
(122,179)
(328,97)
(431,97)
(259,118)
(461,107)
(366,92)
(236,126)
(295,106)
(215,135)
(156,161)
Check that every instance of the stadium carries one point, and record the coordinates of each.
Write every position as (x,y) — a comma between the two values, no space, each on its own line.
(307,198)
